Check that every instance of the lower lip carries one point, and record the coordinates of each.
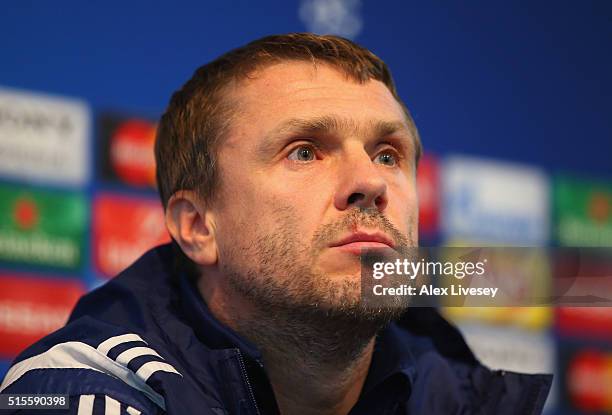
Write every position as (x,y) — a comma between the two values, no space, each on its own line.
(358,247)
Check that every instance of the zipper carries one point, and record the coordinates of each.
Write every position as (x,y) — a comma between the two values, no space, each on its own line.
(246,379)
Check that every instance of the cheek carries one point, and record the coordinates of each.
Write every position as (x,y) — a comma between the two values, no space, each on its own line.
(237,218)
(249,216)
(403,204)
(291,214)
(308,197)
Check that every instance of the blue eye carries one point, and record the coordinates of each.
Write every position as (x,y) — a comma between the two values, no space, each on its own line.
(386,159)
(302,153)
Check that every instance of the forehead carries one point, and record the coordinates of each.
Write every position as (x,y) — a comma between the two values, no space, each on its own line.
(294,90)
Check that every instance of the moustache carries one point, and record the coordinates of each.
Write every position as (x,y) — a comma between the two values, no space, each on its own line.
(370,218)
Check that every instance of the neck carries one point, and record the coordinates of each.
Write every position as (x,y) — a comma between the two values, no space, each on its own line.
(316,360)
(312,369)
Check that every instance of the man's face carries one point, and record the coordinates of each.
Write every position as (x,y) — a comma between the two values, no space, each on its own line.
(315,168)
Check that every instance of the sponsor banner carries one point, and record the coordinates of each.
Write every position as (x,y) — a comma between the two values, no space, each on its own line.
(515,271)
(494,202)
(582,272)
(532,318)
(124,228)
(429,196)
(521,271)
(44,139)
(32,307)
(585,322)
(583,212)
(42,227)
(513,350)
(586,377)
(126,153)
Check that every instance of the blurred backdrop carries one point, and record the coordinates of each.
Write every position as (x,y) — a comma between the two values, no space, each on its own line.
(513,101)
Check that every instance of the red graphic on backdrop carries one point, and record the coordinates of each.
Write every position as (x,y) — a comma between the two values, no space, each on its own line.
(124,228)
(599,207)
(131,152)
(429,195)
(26,213)
(32,307)
(593,322)
(589,380)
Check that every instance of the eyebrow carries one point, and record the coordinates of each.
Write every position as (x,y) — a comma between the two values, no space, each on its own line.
(331,124)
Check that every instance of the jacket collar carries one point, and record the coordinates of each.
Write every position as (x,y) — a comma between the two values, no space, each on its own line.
(209,330)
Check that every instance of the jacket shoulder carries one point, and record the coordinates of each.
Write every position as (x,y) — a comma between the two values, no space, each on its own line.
(443,357)
(90,359)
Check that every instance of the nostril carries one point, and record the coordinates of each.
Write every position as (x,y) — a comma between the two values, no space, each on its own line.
(355,197)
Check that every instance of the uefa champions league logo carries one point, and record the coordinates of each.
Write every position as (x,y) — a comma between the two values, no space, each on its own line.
(338,17)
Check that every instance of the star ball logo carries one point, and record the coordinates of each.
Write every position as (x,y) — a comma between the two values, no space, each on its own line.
(339,17)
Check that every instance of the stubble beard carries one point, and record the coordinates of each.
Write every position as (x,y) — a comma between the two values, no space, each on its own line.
(300,312)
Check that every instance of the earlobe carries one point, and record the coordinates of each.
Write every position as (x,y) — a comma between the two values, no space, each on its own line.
(191,225)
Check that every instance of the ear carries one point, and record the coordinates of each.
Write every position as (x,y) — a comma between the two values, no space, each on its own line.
(191,225)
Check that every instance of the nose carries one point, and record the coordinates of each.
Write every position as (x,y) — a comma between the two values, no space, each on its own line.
(361,184)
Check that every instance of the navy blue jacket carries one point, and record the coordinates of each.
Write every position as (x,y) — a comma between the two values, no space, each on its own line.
(145,343)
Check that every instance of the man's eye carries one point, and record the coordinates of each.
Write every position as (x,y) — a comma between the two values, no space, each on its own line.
(386,158)
(302,153)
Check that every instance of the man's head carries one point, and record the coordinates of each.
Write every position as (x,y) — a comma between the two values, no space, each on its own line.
(280,160)
(199,114)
